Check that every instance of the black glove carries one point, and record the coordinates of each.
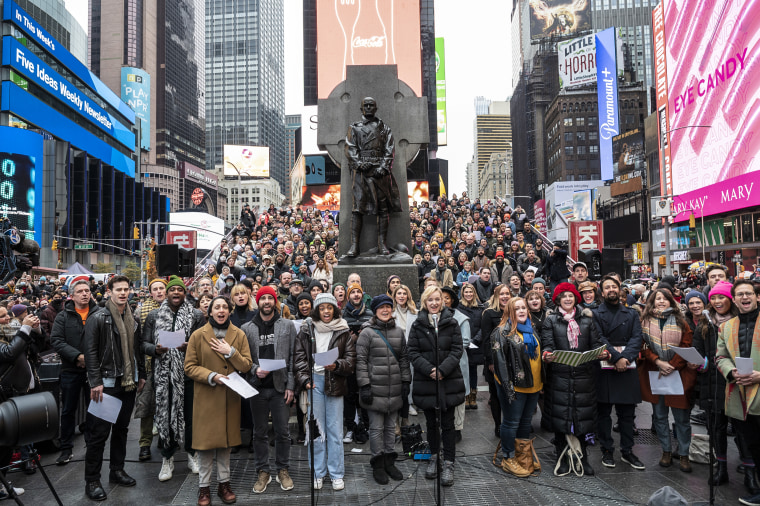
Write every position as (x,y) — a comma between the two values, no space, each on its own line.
(405,389)
(366,395)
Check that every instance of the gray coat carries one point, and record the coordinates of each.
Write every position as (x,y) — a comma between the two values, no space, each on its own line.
(284,343)
(376,365)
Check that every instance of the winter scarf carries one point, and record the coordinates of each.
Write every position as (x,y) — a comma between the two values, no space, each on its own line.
(334,325)
(169,373)
(573,329)
(526,329)
(662,339)
(126,326)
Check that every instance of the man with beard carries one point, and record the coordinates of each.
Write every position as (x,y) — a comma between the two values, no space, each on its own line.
(619,329)
(115,367)
(296,288)
(471,248)
(204,286)
(442,274)
(739,337)
(67,338)
(480,260)
(284,288)
(174,390)
(356,313)
(501,271)
(271,337)
(483,285)
(530,260)
(556,266)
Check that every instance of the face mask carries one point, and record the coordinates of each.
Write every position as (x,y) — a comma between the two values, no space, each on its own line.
(230,283)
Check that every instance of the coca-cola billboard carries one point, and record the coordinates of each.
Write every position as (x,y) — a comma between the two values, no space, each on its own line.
(367,32)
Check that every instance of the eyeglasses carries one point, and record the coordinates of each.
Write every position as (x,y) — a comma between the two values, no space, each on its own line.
(744,294)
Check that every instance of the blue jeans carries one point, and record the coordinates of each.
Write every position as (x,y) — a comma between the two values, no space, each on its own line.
(682,417)
(328,447)
(515,420)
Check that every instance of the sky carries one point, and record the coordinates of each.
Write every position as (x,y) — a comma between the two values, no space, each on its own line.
(478,62)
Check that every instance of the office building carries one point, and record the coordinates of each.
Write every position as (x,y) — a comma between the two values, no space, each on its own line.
(497,181)
(493,134)
(258,193)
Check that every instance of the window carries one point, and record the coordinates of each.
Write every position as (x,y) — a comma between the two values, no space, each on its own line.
(581,136)
(593,149)
(568,137)
(581,150)
(568,150)
(593,135)
(568,121)
(591,121)
(629,119)
(580,121)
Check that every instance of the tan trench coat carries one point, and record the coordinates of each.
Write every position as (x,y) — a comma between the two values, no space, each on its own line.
(216,410)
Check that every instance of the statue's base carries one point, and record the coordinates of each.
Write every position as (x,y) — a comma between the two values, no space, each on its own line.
(374,276)
(371,257)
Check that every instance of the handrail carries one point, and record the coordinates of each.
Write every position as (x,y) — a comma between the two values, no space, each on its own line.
(200,265)
(548,246)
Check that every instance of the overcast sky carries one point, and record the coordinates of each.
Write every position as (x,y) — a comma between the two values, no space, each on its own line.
(478,62)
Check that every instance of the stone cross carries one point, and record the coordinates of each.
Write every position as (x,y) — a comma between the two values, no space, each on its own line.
(403,112)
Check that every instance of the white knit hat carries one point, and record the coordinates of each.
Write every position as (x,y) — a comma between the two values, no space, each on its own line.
(327,298)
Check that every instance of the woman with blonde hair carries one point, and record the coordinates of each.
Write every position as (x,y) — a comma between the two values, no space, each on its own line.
(470,306)
(244,305)
(323,271)
(490,320)
(405,312)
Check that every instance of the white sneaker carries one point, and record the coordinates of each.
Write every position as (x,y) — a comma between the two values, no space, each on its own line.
(317,483)
(412,411)
(192,463)
(349,437)
(4,493)
(338,484)
(167,468)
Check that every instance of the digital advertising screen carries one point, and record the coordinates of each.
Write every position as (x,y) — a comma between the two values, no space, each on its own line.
(321,196)
(628,153)
(368,32)
(559,17)
(210,228)
(440,90)
(297,179)
(21,179)
(246,161)
(708,99)
(135,91)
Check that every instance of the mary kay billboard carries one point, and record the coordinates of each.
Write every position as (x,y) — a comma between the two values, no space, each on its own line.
(368,32)
(708,100)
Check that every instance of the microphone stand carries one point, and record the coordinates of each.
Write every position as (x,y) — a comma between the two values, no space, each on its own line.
(312,421)
(438,463)
(712,415)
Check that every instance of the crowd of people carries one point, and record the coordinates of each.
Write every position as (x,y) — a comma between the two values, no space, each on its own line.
(494,302)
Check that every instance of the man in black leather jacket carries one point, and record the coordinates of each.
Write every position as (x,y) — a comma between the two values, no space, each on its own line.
(110,334)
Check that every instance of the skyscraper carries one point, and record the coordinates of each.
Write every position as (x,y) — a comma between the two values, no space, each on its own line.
(245,81)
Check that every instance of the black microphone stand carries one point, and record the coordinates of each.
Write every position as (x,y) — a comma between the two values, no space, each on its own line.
(312,421)
(712,413)
(438,462)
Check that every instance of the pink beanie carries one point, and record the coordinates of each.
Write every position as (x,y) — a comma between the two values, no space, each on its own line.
(722,288)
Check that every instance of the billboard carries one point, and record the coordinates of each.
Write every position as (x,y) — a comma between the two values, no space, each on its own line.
(368,32)
(539,213)
(586,235)
(419,191)
(210,229)
(315,170)
(246,161)
(607,95)
(584,207)
(559,17)
(21,180)
(708,100)
(327,196)
(721,197)
(558,199)
(297,180)
(628,153)
(577,60)
(135,91)
(440,89)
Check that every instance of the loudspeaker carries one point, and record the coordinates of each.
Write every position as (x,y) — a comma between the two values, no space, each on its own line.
(613,261)
(186,262)
(593,260)
(167,259)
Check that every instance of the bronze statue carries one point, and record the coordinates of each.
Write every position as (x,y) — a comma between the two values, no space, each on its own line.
(370,151)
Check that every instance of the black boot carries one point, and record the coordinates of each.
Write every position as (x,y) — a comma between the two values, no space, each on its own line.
(390,467)
(383,221)
(750,480)
(720,473)
(356,233)
(378,469)
(587,469)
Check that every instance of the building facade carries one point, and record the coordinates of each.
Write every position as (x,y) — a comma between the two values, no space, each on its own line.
(497,177)
(258,193)
(493,134)
(245,81)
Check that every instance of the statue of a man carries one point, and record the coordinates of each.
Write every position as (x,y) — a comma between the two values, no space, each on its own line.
(370,151)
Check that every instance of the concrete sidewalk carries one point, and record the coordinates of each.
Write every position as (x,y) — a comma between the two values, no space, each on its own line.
(478,482)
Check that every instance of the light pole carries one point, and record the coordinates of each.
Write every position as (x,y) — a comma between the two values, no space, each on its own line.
(240,182)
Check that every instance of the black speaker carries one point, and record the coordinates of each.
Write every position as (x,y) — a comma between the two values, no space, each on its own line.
(186,262)
(613,261)
(593,260)
(167,259)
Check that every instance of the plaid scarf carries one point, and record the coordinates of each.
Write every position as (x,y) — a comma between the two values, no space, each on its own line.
(662,340)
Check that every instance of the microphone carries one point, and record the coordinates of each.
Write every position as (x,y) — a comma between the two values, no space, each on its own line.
(435,321)
(309,320)
(706,314)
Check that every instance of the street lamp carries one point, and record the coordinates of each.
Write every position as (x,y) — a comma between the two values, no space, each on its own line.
(240,181)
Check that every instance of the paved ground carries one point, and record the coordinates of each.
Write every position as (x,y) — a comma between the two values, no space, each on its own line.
(478,482)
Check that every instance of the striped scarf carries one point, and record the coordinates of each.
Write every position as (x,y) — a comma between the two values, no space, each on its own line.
(573,329)
(662,341)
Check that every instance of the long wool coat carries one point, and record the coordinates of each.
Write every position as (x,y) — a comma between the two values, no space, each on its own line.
(740,400)
(216,409)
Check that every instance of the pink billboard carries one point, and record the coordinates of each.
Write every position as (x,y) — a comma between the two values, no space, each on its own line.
(735,193)
(712,96)
(539,214)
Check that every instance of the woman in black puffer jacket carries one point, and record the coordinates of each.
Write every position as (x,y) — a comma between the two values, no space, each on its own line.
(422,354)
(570,398)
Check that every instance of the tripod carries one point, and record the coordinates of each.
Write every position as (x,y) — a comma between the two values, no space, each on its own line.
(35,457)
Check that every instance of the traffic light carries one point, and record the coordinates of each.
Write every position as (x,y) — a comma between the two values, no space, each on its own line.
(136,233)
(55,245)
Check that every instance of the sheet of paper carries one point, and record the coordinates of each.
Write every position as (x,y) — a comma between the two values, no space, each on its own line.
(666,385)
(297,324)
(108,409)
(271,365)
(237,384)
(171,339)
(576,358)
(609,365)
(326,358)
(473,346)
(691,355)
(743,365)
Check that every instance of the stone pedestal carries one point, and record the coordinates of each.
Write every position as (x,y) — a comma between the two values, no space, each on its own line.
(374,277)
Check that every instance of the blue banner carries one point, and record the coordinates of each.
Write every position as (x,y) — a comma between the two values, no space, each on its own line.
(26,63)
(315,170)
(30,108)
(607,92)
(19,17)
(21,179)
(135,91)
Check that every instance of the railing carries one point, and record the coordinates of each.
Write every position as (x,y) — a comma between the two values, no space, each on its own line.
(548,246)
(200,266)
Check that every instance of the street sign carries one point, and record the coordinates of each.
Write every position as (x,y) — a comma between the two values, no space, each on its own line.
(185,238)
(84,245)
